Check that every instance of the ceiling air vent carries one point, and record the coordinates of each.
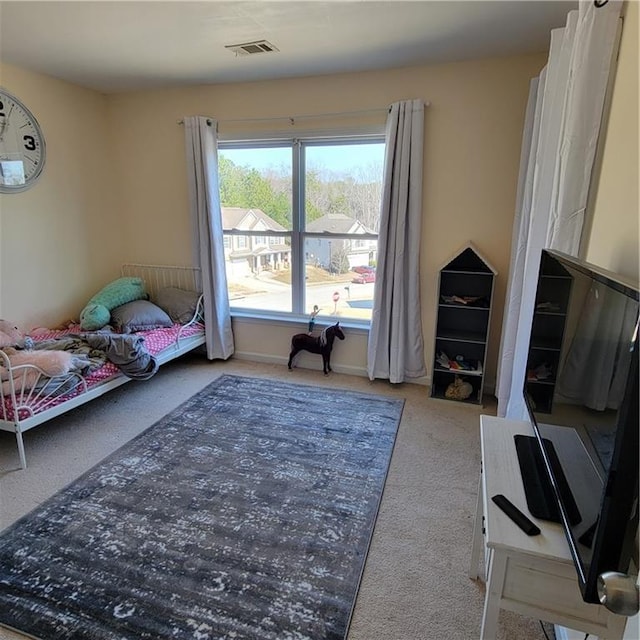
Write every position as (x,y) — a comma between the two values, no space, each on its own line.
(249,48)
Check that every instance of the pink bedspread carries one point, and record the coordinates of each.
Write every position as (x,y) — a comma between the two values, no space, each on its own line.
(155,341)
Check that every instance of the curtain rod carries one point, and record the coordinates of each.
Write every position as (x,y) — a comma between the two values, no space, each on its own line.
(292,119)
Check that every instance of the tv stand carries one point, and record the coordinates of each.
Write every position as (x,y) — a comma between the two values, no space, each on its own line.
(531,575)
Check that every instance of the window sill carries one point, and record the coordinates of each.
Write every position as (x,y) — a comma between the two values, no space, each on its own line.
(289,320)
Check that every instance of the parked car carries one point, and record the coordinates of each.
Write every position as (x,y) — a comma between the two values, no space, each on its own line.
(364,269)
(363,278)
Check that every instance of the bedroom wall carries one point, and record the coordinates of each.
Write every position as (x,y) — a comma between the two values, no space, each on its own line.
(614,239)
(60,239)
(115,187)
(473,130)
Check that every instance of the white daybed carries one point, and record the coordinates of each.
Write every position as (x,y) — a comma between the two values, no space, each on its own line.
(22,408)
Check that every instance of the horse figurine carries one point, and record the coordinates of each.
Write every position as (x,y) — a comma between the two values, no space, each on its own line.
(321,344)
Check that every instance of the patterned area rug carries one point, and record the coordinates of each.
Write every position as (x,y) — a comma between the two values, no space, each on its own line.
(246,513)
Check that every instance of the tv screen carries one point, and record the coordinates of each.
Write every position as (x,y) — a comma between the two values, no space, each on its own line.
(581,390)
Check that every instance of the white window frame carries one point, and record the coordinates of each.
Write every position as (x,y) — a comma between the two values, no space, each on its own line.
(297,234)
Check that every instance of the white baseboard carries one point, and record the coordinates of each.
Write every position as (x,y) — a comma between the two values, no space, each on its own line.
(315,364)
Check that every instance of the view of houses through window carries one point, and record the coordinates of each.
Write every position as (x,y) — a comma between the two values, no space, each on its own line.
(301,220)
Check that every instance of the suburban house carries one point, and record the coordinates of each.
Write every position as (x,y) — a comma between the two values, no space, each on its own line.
(250,254)
(334,254)
(245,254)
(115,186)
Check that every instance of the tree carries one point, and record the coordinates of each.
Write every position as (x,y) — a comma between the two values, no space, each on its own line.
(247,188)
(340,260)
(357,196)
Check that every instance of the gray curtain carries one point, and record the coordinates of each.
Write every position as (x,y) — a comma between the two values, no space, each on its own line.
(396,348)
(204,203)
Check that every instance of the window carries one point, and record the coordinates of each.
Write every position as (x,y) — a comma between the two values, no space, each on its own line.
(309,213)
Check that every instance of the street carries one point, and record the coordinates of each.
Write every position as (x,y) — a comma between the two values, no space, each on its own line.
(354,300)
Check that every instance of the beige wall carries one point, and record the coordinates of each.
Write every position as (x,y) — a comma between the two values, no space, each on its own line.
(473,130)
(114,187)
(60,238)
(271,342)
(614,239)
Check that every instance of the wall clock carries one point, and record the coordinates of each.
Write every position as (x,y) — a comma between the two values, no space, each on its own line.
(22,148)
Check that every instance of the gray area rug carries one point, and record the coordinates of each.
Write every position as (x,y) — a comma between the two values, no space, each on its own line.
(246,513)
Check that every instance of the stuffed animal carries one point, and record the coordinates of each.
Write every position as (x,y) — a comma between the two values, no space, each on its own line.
(458,390)
(97,313)
(48,361)
(10,335)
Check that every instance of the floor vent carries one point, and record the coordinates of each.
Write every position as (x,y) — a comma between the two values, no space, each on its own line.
(250,48)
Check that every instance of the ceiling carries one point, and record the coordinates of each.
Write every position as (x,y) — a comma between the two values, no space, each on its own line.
(113,46)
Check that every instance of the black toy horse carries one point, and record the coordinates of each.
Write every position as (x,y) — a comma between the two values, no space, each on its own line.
(321,344)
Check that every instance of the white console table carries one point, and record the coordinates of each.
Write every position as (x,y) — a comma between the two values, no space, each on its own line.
(531,575)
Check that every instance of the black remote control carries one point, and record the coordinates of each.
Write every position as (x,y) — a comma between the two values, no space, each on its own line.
(516,515)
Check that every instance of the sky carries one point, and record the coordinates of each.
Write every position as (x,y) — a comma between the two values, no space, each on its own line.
(337,159)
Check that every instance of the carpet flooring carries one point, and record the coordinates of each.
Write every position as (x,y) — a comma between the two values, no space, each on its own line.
(245,513)
(415,585)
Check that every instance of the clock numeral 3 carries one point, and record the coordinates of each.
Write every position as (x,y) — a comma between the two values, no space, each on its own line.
(21,140)
(29,143)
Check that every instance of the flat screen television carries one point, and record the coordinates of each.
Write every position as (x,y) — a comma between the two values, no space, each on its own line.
(581,391)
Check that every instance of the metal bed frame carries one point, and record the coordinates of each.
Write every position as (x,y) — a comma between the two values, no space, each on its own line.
(40,403)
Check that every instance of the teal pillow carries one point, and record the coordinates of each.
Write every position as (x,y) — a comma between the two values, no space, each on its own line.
(97,313)
(94,316)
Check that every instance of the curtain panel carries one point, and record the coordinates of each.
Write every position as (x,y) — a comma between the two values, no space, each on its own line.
(396,348)
(521,224)
(206,224)
(556,175)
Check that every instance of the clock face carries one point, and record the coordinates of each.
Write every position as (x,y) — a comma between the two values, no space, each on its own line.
(22,148)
